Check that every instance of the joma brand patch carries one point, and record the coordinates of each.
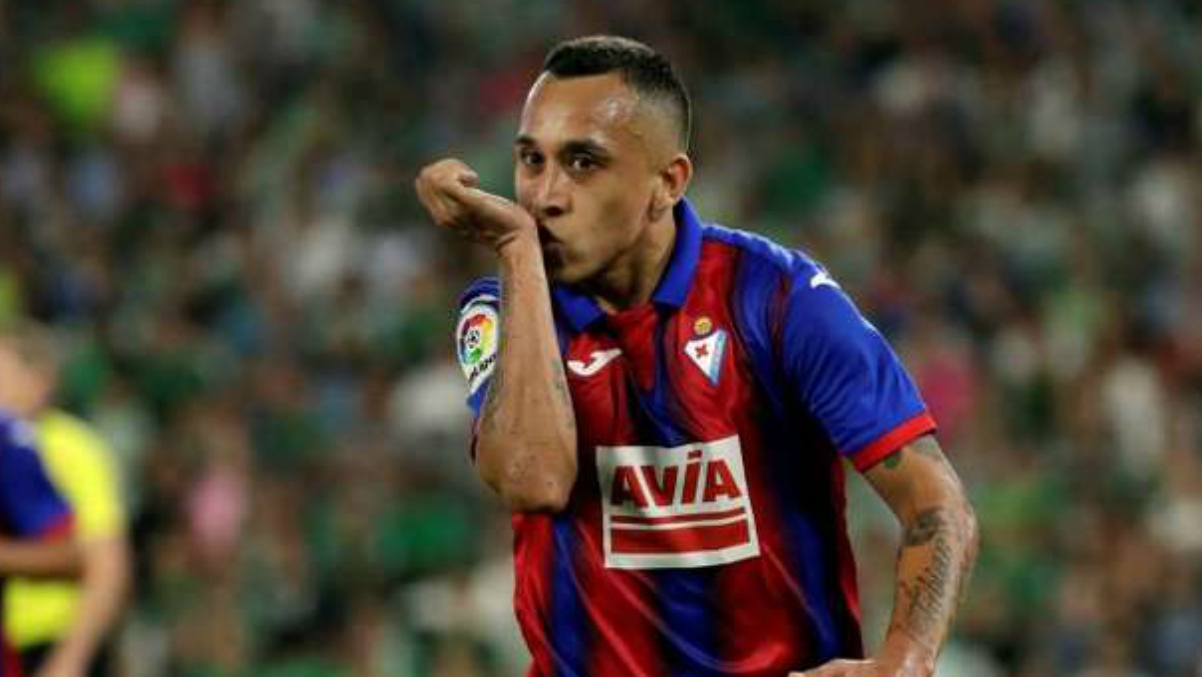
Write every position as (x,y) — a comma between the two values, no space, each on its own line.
(675,507)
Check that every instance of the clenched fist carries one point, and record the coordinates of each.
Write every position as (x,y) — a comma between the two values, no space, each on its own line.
(447,189)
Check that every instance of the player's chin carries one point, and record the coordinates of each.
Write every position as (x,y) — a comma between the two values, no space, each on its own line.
(558,274)
(559,269)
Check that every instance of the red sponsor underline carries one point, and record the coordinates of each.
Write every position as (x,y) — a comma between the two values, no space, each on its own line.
(676,519)
(680,541)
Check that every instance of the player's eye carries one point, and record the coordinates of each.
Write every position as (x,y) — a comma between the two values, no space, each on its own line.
(529,157)
(582,163)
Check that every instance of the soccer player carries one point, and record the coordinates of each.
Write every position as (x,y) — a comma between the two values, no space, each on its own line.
(35,522)
(665,404)
(58,625)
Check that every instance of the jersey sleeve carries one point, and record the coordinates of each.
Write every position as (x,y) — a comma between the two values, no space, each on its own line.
(29,504)
(846,373)
(80,464)
(477,333)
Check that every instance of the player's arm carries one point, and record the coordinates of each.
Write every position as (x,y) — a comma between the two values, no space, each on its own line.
(526,432)
(937,552)
(105,580)
(44,558)
(851,380)
(936,555)
(103,589)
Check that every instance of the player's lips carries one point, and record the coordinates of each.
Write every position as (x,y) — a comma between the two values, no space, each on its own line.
(546,240)
(551,247)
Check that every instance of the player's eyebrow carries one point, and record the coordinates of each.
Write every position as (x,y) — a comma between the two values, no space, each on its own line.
(572,146)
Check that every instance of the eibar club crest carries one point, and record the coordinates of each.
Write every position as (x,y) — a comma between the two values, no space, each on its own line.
(706,353)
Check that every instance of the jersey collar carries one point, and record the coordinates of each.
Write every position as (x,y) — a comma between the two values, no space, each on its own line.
(581,310)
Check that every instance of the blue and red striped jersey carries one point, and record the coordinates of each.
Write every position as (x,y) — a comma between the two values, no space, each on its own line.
(705,533)
(30,507)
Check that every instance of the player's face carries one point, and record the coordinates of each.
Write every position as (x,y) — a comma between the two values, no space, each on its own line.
(586,169)
(21,388)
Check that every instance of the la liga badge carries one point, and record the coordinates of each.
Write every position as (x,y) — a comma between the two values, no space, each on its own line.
(476,343)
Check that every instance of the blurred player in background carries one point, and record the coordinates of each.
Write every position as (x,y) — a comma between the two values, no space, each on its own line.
(58,626)
(665,404)
(35,522)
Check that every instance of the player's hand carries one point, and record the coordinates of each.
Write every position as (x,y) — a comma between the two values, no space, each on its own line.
(862,668)
(447,189)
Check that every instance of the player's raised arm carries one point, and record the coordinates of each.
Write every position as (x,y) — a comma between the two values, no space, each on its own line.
(526,433)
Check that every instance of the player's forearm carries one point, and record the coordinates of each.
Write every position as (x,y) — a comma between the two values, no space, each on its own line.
(526,438)
(38,559)
(938,549)
(103,590)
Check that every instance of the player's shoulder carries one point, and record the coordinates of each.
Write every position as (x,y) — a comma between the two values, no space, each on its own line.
(57,423)
(65,433)
(757,250)
(477,333)
(18,445)
(15,432)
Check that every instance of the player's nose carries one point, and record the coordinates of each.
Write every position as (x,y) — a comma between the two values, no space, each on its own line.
(551,196)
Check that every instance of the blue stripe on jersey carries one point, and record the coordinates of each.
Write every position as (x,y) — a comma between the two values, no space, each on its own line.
(757,282)
(567,632)
(490,286)
(690,638)
(802,511)
(684,595)
(29,503)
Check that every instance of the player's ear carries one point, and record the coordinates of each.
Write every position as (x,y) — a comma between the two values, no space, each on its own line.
(671,184)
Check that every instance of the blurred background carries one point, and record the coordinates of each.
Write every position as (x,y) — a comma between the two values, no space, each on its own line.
(210,202)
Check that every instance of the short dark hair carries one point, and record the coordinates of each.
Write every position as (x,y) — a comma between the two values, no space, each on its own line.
(643,69)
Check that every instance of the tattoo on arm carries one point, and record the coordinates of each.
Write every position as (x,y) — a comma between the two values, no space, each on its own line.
(925,527)
(928,600)
(938,548)
(560,381)
(893,460)
(924,446)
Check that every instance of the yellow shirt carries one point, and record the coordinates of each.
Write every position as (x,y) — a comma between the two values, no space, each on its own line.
(80,465)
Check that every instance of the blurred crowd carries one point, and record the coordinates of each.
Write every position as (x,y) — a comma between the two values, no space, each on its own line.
(211,203)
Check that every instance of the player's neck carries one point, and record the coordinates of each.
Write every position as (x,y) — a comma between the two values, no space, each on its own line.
(633,276)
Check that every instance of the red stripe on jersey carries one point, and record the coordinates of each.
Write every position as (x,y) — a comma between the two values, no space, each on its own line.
(10,663)
(876,451)
(754,637)
(622,611)
(58,529)
(532,557)
(759,637)
(699,517)
(635,334)
(683,539)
